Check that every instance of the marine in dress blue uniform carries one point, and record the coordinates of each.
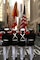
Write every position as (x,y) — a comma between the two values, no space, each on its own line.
(6,37)
(14,44)
(22,40)
(30,42)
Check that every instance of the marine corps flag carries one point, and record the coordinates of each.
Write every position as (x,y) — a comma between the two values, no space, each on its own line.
(15,12)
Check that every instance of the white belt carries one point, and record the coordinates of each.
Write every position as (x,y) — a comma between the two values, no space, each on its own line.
(14,40)
(30,39)
(22,40)
(5,40)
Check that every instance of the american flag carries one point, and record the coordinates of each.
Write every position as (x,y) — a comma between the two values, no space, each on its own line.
(23,23)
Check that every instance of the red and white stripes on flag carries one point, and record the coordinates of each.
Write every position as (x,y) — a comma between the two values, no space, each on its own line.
(23,23)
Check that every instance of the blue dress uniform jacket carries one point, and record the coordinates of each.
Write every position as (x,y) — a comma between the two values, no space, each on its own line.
(14,39)
(7,39)
(31,39)
(21,39)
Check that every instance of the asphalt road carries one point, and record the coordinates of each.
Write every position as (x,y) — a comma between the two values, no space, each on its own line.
(36,50)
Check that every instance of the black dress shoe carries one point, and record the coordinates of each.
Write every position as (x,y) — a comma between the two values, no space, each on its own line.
(7,59)
(24,58)
(16,58)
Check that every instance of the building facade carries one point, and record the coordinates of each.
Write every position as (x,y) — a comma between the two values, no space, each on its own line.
(35,14)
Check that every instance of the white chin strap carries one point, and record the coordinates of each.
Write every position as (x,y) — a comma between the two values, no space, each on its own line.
(6,29)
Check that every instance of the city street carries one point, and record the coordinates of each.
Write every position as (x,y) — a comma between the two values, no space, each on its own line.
(19,19)
(36,50)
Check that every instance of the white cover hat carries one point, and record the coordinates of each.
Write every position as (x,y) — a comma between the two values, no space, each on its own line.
(6,29)
(22,29)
